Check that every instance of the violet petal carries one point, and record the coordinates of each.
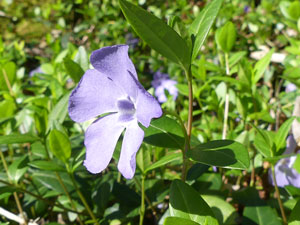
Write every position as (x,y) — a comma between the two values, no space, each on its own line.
(93,96)
(115,63)
(132,141)
(100,140)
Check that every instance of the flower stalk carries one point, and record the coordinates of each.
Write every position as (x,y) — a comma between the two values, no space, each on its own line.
(278,196)
(226,109)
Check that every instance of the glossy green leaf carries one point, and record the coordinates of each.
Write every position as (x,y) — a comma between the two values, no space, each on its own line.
(281,134)
(222,153)
(261,66)
(165,160)
(263,142)
(73,69)
(18,168)
(17,139)
(294,218)
(46,165)
(59,112)
(296,165)
(82,58)
(7,74)
(224,212)
(60,145)
(187,203)
(200,27)
(165,132)
(294,10)
(260,215)
(178,221)
(156,33)
(226,36)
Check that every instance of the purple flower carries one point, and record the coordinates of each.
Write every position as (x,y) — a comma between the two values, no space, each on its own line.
(162,82)
(290,87)
(112,87)
(36,70)
(246,9)
(284,171)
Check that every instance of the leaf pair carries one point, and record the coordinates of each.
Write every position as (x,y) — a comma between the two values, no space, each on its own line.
(164,39)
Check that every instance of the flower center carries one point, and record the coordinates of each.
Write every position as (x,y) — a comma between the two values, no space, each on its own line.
(126,109)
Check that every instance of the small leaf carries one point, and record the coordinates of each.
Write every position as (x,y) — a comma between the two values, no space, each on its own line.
(46,165)
(226,36)
(236,57)
(18,168)
(263,142)
(187,203)
(17,139)
(156,33)
(281,134)
(73,69)
(178,221)
(260,215)
(60,145)
(295,215)
(165,132)
(164,160)
(201,25)
(261,66)
(82,58)
(59,112)
(222,153)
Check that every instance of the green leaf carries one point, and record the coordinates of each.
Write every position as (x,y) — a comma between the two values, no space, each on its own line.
(178,221)
(226,36)
(18,168)
(156,33)
(17,139)
(224,212)
(187,203)
(59,112)
(164,160)
(46,165)
(296,165)
(261,66)
(201,25)
(295,215)
(222,153)
(7,73)
(263,142)
(73,69)
(82,58)
(236,57)
(281,134)
(165,132)
(294,10)
(60,145)
(260,215)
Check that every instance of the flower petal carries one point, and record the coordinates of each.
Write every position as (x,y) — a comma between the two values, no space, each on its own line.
(100,140)
(116,64)
(146,107)
(94,95)
(132,141)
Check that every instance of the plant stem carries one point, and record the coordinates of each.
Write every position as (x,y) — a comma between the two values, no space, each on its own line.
(142,209)
(189,127)
(17,200)
(37,196)
(278,197)
(86,205)
(7,82)
(226,109)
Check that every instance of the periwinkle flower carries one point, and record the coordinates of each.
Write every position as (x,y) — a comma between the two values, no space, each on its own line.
(112,88)
(284,172)
(162,82)
(36,70)
(290,87)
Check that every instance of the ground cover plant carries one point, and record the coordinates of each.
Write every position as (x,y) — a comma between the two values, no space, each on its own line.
(149,112)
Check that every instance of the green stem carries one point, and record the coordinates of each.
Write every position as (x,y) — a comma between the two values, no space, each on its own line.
(17,200)
(278,197)
(189,127)
(83,200)
(22,190)
(226,109)
(142,209)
